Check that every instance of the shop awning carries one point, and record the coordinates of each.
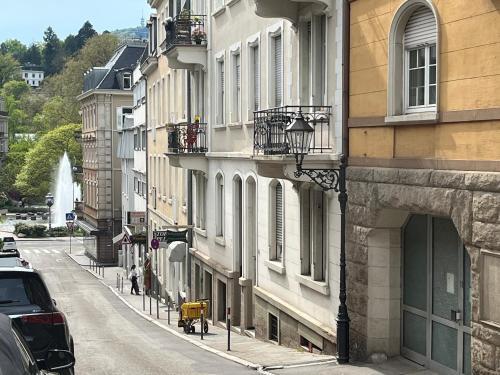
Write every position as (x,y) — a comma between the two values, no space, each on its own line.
(176,251)
(87,227)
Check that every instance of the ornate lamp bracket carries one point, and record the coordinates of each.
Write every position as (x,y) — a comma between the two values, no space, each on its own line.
(327,179)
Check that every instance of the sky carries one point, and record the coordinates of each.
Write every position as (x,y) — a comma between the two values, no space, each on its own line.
(27,20)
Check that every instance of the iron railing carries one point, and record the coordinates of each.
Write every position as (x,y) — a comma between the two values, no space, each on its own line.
(270,125)
(187,138)
(185,30)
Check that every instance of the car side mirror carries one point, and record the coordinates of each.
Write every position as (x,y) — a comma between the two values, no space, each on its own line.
(59,360)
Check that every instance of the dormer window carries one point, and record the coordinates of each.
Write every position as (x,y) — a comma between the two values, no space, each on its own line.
(127,81)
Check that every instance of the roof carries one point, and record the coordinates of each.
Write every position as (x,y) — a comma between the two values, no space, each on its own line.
(10,359)
(125,59)
(16,269)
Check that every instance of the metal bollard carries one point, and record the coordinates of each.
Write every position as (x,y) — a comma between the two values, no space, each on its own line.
(122,284)
(103,271)
(168,309)
(117,281)
(228,322)
(201,319)
(143,299)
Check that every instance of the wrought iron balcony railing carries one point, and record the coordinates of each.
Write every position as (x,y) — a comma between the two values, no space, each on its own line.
(187,138)
(185,30)
(270,125)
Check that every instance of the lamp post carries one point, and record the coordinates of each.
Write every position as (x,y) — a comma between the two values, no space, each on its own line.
(299,135)
(49,200)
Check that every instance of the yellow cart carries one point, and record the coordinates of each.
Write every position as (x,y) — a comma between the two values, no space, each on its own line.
(191,314)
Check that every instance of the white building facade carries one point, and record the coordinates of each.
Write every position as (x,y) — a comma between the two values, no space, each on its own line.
(265,244)
(32,75)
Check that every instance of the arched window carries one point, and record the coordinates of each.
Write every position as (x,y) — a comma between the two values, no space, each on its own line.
(413,61)
(219,202)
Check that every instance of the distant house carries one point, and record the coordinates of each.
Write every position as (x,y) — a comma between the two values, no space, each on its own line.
(33,75)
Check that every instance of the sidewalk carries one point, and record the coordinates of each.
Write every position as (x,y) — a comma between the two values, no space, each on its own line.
(245,350)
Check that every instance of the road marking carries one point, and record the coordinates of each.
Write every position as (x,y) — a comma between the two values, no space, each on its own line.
(56,252)
(26,251)
(46,251)
(36,251)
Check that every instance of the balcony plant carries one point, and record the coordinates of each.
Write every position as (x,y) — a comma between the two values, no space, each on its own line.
(198,35)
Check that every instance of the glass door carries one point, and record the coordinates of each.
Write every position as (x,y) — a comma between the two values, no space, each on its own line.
(436,296)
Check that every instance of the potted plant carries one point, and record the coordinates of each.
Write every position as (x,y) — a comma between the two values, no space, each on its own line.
(198,35)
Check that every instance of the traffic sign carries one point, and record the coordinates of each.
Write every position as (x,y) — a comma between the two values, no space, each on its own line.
(126,240)
(70,225)
(70,216)
(155,244)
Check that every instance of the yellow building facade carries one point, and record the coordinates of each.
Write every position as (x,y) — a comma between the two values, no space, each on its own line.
(424,189)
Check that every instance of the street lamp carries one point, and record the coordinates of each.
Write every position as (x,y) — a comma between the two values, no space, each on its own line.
(49,200)
(299,135)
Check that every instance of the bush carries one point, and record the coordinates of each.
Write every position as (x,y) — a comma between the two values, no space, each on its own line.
(58,232)
(25,210)
(36,231)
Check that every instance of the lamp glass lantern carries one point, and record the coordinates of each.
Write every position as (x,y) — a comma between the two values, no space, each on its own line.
(49,200)
(299,136)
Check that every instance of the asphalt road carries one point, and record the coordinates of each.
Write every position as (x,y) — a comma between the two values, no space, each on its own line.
(109,337)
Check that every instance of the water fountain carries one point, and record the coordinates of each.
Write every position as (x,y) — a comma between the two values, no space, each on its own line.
(65,193)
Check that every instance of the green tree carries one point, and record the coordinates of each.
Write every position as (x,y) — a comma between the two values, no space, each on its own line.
(37,173)
(13,164)
(15,48)
(85,33)
(71,45)
(33,55)
(52,57)
(10,69)
(69,83)
(55,113)
(15,88)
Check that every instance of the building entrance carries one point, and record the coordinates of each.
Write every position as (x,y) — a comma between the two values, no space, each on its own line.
(436,306)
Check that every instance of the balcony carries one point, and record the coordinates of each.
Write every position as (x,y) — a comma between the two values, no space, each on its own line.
(289,9)
(185,44)
(271,150)
(187,145)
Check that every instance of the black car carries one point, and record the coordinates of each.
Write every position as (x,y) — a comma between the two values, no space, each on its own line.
(25,299)
(16,357)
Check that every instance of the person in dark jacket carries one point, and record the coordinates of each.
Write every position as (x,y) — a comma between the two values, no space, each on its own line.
(133,277)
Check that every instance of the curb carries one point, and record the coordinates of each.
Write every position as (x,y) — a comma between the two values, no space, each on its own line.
(207,348)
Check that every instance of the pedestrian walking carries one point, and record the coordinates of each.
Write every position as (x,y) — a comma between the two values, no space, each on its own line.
(133,278)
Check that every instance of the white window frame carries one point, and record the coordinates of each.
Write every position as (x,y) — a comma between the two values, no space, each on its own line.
(426,107)
(201,190)
(309,251)
(313,68)
(236,97)
(219,205)
(127,77)
(253,47)
(273,32)
(220,89)
(273,245)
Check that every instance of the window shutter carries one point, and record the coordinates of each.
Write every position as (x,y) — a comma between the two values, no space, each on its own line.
(279,219)
(421,28)
(238,87)
(278,79)
(119,118)
(256,77)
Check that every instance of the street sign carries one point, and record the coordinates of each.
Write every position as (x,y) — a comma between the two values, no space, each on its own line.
(70,225)
(155,244)
(168,236)
(126,240)
(70,216)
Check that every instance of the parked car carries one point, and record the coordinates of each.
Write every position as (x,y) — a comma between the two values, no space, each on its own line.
(16,357)
(24,297)
(9,246)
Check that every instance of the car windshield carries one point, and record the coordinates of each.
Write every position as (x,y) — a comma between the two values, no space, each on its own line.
(23,290)
(9,239)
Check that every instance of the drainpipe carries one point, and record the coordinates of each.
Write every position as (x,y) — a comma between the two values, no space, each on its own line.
(190,193)
(146,215)
(346,35)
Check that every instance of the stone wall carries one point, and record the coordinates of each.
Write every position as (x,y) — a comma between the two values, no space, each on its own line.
(382,198)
